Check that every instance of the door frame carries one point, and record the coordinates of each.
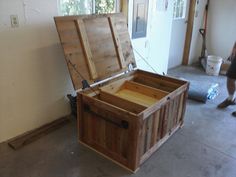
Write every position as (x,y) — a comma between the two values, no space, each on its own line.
(189,32)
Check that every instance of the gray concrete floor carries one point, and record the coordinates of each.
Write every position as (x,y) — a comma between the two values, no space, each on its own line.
(204,147)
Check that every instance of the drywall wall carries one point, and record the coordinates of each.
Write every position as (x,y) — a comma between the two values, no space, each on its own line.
(221,33)
(152,52)
(33,76)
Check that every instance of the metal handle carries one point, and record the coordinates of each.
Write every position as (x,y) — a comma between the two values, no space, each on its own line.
(122,124)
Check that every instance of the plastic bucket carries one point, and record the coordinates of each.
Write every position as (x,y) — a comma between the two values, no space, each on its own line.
(213,65)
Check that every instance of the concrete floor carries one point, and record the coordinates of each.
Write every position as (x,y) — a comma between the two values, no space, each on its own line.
(205,147)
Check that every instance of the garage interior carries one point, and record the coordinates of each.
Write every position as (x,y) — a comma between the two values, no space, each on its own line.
(35,81)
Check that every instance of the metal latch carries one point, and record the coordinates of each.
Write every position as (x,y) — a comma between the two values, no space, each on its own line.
(130,68)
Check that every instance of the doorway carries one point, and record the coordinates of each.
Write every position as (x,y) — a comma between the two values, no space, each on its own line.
(178,34)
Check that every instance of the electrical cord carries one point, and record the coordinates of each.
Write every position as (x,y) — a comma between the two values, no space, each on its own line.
(84,81)
(145,60)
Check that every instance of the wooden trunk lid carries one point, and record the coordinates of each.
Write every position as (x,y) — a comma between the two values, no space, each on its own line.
(96,47)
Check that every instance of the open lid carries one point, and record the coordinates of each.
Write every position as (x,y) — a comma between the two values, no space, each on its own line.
(96,47)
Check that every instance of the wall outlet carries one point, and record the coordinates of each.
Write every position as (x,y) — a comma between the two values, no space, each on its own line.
(14,21)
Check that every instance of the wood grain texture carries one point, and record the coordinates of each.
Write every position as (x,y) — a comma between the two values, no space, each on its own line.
(149,126)
(117,42)
(189,32)
(86,48)
(99,45)
(121,103)
(128,117)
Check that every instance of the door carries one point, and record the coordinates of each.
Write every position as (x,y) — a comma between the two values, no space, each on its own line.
(179,27)
(139,26)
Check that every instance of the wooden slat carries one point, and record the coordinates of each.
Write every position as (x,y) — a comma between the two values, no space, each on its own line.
(85,127)
(143,136)
(122,103)
(122,163)
(136,97)
(165,120)
(170,116)
(117,43)
(116,85)
(177,105)
(169,80)
(109,136)
(154,83)
(161,120)
(80,111)
(22,140)
(180,107)
(155,125)
(100,42)
(102,133)
(157,145)
(149,132)
(86,47)
(189,32)
(124,143)
(149,91)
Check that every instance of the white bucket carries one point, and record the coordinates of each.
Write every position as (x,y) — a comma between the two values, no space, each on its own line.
(213,65)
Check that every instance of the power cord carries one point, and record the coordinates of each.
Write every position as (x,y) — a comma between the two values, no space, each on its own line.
(145,60)
(84,81)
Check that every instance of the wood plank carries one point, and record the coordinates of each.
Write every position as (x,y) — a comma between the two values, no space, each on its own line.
(122,103)
(154,83)
(99,38)
(102,133)
(180,107)
(149,132)
(124,143)
(165,121)
(169,80)
(177,104)
(155,125)
(69,37)
(161,120)
(109,136)
(115,86)
(149,91)
(143,138)
(170,116)
(157,146)
(65,25)
(80,111)
(109,158)
(136,97)
(189,32)
(85,137)
(73,48)
(86,47)
(28,137)
(117,43)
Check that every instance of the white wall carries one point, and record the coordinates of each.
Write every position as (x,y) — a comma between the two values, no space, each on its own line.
(155,48)
(33,76)
(222,27)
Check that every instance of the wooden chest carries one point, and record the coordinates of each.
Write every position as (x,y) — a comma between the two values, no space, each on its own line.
(124,114)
